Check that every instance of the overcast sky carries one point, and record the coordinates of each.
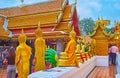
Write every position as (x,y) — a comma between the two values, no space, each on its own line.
(107,9)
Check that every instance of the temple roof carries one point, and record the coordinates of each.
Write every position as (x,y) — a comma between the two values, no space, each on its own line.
(27,21)
(56,18)
(50,6)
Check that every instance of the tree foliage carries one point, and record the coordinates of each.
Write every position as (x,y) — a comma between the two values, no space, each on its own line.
(86,25)
(109,30)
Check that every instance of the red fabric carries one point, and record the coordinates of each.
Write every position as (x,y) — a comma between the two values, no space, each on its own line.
(76,22)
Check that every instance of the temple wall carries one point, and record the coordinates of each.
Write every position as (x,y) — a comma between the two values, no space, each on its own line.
(101,43)
(102,47)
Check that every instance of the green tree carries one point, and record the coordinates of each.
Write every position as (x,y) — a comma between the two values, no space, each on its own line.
(86,25)
(109,30)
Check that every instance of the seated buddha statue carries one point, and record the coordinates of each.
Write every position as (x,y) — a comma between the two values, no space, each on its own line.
(68,57)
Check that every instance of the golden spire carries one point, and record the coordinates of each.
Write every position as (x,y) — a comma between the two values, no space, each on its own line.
(38,31)
(22,37)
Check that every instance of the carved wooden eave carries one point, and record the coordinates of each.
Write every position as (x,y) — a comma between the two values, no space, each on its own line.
(67,13)
(64,26)
(31,21)
(3,33)
(66,18)
(64,3)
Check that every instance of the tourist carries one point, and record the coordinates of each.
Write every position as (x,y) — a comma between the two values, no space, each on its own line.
(11,69)
(22,59)
(109,52)
(118,65)
(4,58)
(113,50)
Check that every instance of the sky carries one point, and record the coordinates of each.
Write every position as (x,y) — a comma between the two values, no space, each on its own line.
(107,9)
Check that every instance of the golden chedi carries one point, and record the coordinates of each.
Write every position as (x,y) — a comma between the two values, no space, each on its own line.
(22,59)
(68,58)
(40,47)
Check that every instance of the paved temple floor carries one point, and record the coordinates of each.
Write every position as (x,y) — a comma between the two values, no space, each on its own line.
(98,72)
(2,73)
(103,72)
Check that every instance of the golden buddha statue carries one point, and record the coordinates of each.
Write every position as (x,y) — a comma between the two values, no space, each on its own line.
(22,59)
(78,48)
(83,45)
(68,58)
(40,47)
(93,46)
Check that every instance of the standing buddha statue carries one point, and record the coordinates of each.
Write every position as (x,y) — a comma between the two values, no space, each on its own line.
(22,59)
(40,47)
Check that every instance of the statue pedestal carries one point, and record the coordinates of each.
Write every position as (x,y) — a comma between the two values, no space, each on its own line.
(102,61)
(67,72)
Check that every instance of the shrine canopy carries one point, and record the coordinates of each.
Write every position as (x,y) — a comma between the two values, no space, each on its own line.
(56,18)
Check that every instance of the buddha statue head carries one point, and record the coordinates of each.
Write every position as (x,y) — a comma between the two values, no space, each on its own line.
(22,37)
(72,34)
(38,31)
